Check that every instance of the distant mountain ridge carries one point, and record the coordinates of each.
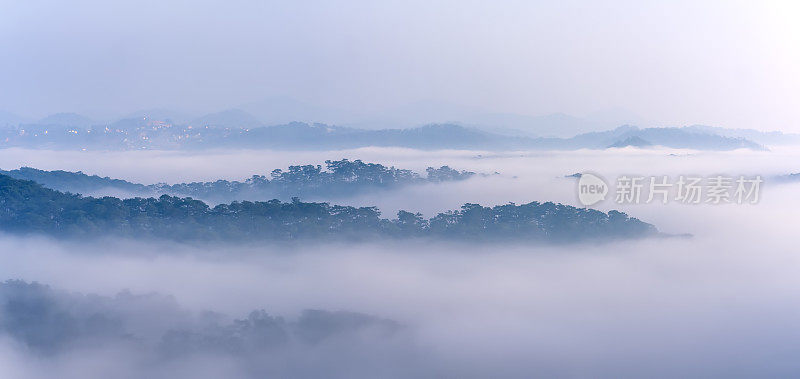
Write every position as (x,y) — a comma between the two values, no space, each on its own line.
(766,138)
(10,120)
(144,133)
(281,111)
(632,141)
(66,120)
(236,128)
(682,138)
(230,118)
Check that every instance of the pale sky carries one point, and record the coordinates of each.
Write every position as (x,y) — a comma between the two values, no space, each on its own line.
(724,63)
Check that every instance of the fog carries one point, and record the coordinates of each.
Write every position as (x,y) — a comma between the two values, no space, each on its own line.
(722,303)
(715,294)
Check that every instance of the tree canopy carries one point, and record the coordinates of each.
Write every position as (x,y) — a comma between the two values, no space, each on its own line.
(27,207)
(339,178)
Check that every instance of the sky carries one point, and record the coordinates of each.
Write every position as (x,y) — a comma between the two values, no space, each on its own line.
(724,63)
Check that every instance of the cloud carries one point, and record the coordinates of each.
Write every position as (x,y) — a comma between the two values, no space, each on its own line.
(723,303)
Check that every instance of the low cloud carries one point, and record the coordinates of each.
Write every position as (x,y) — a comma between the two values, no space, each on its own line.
(723,303)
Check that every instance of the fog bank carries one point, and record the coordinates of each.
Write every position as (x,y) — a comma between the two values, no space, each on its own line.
(723,303)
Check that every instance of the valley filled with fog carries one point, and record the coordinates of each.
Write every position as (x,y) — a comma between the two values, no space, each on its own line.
(399,189)
(722,302)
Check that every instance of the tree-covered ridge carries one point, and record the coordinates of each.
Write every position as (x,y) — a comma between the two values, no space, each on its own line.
(27,207)
(339,179)
(74,182)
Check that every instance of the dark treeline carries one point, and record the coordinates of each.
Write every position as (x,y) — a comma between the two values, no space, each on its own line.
(339,179)
(27,207)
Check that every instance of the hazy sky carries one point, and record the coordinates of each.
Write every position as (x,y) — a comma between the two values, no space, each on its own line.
(726,63)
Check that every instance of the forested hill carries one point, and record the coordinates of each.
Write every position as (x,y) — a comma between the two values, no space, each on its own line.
(27,207)
(339,179)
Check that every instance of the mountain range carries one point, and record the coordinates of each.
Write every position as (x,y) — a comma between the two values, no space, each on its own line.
(238,128)
(137,134)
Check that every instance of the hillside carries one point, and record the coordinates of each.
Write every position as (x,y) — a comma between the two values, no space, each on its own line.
(339,179)
(27,207)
